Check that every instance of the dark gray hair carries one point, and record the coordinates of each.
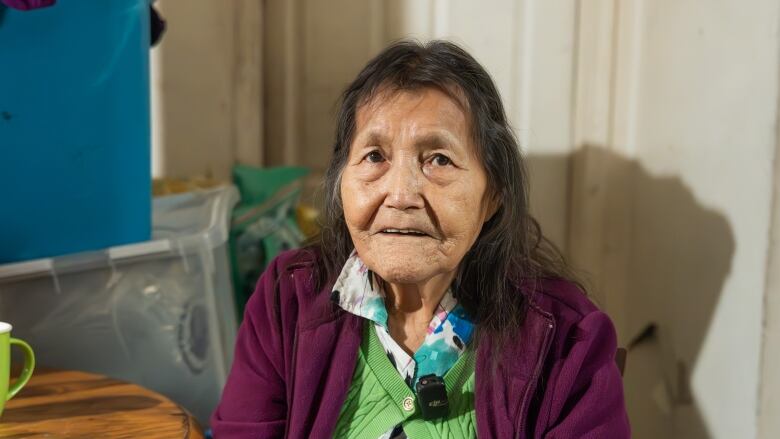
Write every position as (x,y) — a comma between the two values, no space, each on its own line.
(510,250)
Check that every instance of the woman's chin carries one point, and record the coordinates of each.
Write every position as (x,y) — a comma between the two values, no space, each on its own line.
(403,270)
(406,260)
(401,276)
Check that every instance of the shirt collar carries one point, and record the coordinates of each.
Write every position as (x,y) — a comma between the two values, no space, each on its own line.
(359,291)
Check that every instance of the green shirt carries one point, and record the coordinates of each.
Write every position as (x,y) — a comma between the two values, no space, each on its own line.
(378,398)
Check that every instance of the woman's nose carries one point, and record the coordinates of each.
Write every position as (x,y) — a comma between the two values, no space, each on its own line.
(404,186)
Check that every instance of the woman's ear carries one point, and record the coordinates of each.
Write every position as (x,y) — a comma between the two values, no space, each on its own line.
(493,204)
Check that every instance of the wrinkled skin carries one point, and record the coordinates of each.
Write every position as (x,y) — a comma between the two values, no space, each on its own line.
(413,166)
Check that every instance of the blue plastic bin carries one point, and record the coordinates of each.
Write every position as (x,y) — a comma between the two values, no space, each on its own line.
(74,128)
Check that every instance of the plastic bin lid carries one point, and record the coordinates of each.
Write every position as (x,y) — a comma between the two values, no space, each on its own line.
(180,222)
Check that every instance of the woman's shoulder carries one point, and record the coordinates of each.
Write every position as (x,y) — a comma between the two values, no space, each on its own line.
(560,298)
(576,318)
(290,287)
(305,258)
(299,263)
(582,383)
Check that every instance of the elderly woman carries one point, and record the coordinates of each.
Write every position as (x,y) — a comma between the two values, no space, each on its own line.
(431,306)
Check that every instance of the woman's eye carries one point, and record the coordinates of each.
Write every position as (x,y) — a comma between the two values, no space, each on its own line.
(374,157)
(441,160)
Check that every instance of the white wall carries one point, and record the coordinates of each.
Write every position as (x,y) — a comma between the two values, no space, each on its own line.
(682,194)
(707,110)
(769,397)
(206,89)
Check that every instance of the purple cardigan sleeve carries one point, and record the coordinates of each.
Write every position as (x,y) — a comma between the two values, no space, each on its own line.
(587,395)
(253,401)
(28,4)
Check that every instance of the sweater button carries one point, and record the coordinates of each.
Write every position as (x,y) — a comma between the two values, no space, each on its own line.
(408,404)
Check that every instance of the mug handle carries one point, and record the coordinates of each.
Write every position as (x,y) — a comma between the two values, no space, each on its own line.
(27,371)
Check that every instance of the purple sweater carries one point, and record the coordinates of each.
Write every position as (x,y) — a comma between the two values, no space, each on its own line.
(296,353)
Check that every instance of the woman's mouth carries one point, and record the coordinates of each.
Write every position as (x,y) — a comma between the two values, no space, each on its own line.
(403,232)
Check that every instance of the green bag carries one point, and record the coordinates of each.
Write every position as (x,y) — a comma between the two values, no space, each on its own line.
(263,223)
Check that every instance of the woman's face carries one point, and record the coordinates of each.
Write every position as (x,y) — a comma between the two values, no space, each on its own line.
(414,192)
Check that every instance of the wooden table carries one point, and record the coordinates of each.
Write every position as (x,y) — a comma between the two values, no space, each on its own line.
(70,404)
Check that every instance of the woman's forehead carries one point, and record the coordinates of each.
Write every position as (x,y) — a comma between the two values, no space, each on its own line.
(430,109)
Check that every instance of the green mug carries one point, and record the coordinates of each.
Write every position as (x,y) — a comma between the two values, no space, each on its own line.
(6,341)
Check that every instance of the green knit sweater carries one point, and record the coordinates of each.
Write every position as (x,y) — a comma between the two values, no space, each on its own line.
(378,398)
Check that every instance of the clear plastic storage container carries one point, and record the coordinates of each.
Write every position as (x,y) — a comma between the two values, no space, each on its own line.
(159,313)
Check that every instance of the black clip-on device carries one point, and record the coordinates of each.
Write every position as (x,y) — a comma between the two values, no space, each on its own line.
(432,396)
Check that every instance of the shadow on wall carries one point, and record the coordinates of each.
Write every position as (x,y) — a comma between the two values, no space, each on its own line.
(667,255)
